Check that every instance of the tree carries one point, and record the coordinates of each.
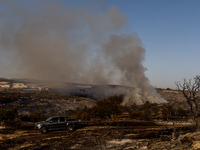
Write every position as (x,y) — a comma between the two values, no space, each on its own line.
(190,89)
(104,109)
(109,107)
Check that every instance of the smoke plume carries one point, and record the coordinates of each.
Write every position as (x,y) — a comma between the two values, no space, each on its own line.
(50,41)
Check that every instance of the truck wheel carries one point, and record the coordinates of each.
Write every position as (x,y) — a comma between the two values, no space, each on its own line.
(44,130)
(70,128)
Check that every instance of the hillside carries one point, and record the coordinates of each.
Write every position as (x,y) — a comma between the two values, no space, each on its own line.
(171,95)
(30,102)
(28,95)
(124,132)
(52,102)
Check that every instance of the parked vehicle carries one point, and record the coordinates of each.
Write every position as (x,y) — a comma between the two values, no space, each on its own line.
(56,123)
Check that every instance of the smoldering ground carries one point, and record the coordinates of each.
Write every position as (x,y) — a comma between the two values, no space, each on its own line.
(50,41)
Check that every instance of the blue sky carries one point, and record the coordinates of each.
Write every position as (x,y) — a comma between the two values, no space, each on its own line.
(169,30)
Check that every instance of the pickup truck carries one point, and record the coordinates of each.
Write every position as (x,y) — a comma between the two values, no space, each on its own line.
(56,123)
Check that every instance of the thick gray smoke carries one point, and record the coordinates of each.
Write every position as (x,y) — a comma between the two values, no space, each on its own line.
(49,41)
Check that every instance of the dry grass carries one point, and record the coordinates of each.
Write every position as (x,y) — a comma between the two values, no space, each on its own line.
(92,136)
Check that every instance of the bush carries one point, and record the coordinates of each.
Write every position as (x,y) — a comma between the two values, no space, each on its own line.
(147,114)
(168,112)
(136,114)
(8,117)
(108,108)
(182,112)
(165,114)
(104,109)
(155,111)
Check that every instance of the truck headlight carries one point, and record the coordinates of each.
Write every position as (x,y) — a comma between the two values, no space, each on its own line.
(39,126)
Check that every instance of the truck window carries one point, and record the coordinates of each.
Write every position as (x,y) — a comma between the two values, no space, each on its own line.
(62,119)
(54,120)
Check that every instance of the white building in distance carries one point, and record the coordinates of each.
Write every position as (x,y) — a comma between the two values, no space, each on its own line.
(19,86)
(5,85)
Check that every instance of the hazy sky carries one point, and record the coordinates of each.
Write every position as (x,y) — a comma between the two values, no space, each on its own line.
(169,31)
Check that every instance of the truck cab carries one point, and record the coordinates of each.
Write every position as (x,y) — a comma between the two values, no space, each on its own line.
(56,123)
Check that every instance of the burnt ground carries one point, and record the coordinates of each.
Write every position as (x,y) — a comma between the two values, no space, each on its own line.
(125,134)
(129,135)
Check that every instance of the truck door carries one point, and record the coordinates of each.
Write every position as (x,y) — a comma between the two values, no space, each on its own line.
(53,123)
(62,122)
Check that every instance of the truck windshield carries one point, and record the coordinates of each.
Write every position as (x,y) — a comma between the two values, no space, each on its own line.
(49,119)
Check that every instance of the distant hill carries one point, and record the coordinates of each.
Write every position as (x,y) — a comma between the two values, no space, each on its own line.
(98,91)
(174,97)
(72,96)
